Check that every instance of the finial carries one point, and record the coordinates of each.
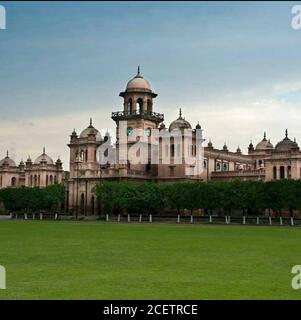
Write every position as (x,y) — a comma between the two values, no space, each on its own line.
(90,121)
(138,71)
(43,150)
(264,136)
(7,153)
(294,139)
(286,133)
(180,113)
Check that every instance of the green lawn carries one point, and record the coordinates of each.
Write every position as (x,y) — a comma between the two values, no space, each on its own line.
(95,260)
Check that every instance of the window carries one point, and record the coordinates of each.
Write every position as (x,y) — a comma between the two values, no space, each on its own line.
(139,106)
(274,173)
(13,181)
(225,166)
(282,173)
(218,166)
(172,150)
(47,180)
(205,164)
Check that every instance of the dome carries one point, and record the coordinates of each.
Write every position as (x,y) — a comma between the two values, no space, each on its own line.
(7,161)
(180,123)
(286,145)
(264,144)
(138,82)
(90,130)
(43,158)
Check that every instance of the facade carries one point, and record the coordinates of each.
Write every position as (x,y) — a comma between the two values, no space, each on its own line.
(264,162)
(40,173)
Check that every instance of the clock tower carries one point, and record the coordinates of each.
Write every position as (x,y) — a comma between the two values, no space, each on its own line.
(136,120)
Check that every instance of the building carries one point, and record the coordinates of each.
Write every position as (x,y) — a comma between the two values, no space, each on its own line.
(40,173)
(264,162)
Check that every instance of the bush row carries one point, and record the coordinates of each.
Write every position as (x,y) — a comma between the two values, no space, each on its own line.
(244,196)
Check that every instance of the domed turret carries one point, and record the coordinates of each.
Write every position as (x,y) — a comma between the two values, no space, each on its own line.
(7,161)
(198,126)
(264,144)
(43,158)
(90,130)
(180,123)
(238,151)
(225,148)
(251,147)
(210,145)
(286,145)
(138,83)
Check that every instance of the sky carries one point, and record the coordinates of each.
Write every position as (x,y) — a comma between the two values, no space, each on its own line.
(233,66)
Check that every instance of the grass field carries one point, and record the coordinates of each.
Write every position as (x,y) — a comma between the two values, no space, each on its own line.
(95,260)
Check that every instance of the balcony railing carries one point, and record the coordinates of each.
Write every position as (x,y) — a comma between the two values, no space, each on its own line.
(120,115)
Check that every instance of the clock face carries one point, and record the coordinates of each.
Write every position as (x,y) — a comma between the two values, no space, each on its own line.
(129,131)
(148,132)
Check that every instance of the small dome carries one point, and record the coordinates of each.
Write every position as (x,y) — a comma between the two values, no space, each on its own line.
(238,150)
(43,158)
(180,123)
(90,130)
(264,144)
(286,145)
(138,82)
(225,148)
(8,161)
(210,145)
(198,126)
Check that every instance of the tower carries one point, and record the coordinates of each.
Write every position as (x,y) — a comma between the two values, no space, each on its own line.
(137,117)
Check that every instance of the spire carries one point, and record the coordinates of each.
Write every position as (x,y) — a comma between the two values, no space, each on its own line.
(286,133)
(264,136)
(91,122)
(180,113)
(6,153)
(44,150)
(138,71)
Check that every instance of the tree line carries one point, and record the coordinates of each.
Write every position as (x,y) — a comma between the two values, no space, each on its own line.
(25,199)
(220,197)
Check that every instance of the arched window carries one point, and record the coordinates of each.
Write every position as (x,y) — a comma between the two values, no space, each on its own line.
(282,172)
(35,180)
(172,150)
(275,173)
(129,106)
(86,155)
(39,182)
(47,180)
(13,181)
(51,179)
(31,180)
(55,180)
(218,166)
(205,164)
(149,106)
(139,106)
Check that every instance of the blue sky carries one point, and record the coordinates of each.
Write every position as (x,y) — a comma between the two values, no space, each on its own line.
(235,67)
